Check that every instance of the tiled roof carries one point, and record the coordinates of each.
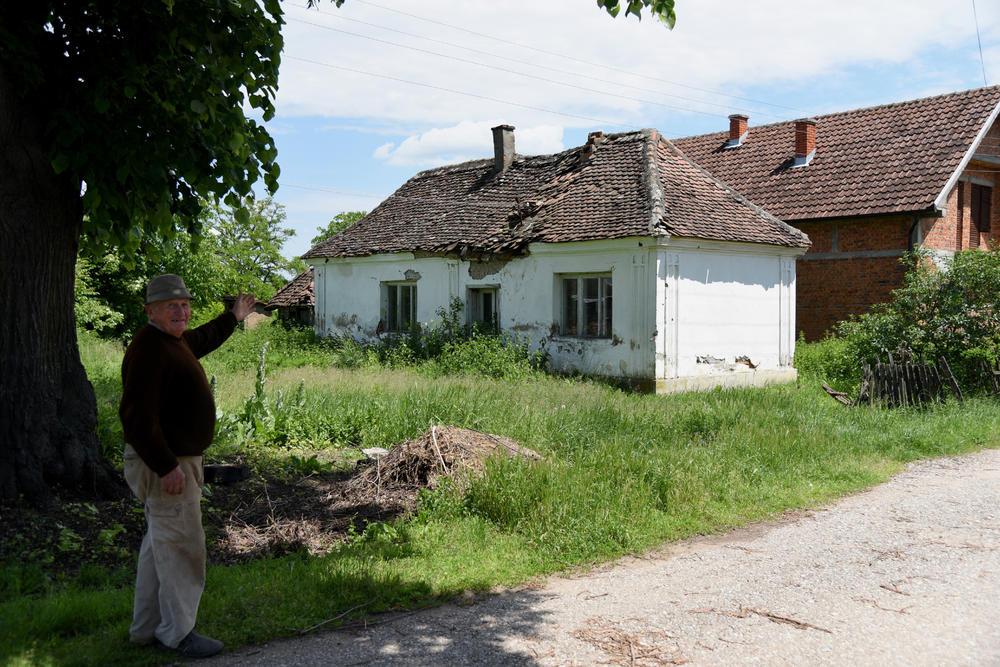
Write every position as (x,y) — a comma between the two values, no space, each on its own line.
(298,292)
(887,159)
(630,184)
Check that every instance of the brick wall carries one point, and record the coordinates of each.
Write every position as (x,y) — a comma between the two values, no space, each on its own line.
(956,230)
(852,265)
(854,262)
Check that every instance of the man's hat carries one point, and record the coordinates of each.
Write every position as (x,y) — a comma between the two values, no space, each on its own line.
(166,287)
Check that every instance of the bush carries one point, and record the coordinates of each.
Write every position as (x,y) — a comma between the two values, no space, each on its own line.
(949,310)
(499,357)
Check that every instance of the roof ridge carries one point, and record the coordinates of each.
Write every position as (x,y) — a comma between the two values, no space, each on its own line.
(651,176)
(876,107)
(541,157)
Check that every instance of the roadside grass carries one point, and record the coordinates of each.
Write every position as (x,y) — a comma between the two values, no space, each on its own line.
(622,473)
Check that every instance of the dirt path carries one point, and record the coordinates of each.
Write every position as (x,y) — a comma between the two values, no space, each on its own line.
(907,573)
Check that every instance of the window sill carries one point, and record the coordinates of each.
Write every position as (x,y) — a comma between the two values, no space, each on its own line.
(567,338)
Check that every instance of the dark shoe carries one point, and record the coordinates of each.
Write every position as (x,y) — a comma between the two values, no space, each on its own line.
(198,646)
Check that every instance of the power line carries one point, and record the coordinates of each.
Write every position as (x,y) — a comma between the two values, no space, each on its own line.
(979,39)
(462,92)
(362,195)
(557,70)
(510,71)
(465,202)
(574,59)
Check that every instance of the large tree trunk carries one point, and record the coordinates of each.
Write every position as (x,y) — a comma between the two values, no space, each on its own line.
(48,412)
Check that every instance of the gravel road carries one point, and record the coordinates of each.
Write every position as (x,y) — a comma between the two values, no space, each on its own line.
(907,573)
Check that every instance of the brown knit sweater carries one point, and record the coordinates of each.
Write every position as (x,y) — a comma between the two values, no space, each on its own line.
(167,408)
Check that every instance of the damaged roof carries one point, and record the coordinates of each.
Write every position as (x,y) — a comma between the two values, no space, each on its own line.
(895,158)
(298,292)
(615,186)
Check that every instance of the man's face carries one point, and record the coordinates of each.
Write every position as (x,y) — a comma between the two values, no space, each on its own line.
(170,316)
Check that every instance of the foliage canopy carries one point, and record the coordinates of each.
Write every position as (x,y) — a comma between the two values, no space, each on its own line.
(337,224)
(145,103)
(235,254)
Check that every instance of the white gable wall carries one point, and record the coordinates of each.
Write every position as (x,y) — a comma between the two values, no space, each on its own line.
(717,302)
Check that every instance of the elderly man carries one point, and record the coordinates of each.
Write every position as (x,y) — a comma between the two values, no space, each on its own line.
(168,416)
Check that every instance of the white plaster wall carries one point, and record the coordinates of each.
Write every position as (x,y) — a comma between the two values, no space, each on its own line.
(674,300)
(723,301)
(348,299)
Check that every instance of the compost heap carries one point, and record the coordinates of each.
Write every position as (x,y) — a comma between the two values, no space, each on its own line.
(458,453)
(269,517)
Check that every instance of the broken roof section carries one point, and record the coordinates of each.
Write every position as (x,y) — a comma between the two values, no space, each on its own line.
(615,186)
(298,292)
(895,158)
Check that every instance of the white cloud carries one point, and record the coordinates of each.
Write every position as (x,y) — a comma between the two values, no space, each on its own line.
(383,151)
(720,45)
(466,141)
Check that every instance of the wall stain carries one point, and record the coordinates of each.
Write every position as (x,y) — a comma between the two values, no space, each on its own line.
(479,270)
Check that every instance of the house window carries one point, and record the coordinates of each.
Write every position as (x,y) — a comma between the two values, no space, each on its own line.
(586,306)
(482,308)
(982,197)
(399,306)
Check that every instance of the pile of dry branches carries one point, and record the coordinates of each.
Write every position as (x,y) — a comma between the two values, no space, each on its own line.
(440,451)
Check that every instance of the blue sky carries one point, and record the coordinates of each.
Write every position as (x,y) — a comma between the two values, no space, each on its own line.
(350,128)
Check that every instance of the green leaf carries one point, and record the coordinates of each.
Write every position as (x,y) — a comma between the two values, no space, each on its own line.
(198,106)
(60,163)
(273,7)
(242,215)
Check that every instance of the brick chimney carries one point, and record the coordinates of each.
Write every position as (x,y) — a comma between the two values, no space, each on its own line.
(503,147)
(737,130)
(805,141)
(594,139)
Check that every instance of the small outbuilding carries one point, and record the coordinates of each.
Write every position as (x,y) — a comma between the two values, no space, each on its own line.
(294,302)
(621,258)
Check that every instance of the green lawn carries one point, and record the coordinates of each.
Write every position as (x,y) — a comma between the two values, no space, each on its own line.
(622,473)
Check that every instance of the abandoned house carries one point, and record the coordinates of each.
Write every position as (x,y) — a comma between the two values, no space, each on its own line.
(621,258)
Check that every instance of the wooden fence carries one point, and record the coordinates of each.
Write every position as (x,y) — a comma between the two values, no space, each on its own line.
(895,385)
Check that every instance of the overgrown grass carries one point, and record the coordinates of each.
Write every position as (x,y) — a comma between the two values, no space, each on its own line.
(830,360)
(621,473)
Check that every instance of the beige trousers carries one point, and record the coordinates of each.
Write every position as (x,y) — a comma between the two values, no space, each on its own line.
(171,572)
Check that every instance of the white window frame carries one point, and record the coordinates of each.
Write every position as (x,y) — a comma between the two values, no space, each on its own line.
(387,317)
(605,305)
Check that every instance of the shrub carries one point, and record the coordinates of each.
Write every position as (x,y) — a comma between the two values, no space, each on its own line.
(500,357)
(950,310)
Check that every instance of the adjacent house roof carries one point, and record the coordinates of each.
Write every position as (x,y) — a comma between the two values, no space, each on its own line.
(298,292)
(615,186)
(895,158)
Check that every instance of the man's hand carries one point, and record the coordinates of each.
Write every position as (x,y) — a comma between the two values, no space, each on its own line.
(243,306)
(173,482)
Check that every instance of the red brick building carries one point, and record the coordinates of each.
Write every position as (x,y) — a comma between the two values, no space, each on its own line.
(866,186)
